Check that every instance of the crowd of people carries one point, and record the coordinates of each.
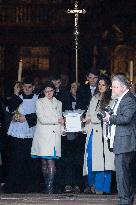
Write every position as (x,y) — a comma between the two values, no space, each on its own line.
(38,155)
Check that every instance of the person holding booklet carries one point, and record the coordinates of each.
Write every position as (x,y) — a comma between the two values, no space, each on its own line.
(98,160)
(46,143)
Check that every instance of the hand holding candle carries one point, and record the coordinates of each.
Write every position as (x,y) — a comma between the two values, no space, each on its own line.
(20,70)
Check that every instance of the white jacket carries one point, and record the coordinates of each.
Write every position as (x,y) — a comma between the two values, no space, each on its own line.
(47,135)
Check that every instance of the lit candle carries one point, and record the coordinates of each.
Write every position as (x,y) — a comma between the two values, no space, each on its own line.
(131,71)
(20,70)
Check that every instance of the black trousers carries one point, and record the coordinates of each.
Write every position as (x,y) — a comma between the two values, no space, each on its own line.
(124,176)
(70,165)
(23,172)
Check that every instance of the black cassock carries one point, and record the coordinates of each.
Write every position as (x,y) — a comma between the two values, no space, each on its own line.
(23,172)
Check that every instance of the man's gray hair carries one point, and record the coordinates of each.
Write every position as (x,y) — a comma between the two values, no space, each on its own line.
(122,79)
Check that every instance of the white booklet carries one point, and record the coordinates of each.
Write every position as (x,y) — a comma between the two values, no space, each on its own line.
(73,121)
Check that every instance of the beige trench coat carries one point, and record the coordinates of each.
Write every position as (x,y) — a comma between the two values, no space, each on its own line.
(48,131)
(97,144)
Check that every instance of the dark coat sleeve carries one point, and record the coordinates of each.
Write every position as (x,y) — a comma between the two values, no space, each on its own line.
(83,97)
(62,96)
(31,119)
(68,102)
(14,103)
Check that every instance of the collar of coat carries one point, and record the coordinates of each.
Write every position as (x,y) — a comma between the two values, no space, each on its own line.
(53,102)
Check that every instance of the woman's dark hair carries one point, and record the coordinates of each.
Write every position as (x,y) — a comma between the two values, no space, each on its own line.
(107,95)
(48,84)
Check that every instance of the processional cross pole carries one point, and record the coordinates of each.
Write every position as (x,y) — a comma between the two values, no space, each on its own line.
(76,11)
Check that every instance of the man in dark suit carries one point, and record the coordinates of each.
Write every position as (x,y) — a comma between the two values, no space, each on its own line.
(60,94)
(83,97)
(85,93)
(124,139)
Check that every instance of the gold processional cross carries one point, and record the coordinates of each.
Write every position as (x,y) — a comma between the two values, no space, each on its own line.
(76,11)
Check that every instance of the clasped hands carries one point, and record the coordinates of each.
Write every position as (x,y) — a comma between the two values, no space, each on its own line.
(21,118)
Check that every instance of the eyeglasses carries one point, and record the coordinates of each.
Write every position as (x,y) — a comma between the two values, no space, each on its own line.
(49,91)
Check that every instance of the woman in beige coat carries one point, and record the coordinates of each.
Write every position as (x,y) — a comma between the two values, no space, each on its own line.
(47,138)
(98,160)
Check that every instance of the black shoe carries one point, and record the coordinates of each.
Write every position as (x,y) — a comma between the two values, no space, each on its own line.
(68,189)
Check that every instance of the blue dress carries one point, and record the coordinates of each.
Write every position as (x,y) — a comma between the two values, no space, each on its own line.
(100,180)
